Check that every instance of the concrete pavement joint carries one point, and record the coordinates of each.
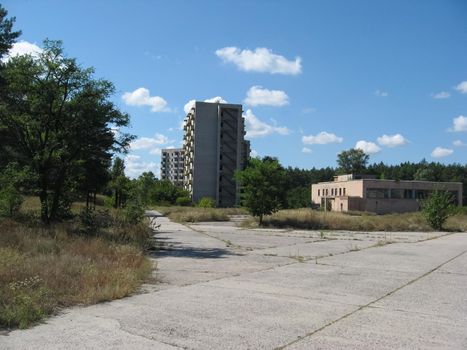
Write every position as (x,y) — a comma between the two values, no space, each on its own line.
(369,304)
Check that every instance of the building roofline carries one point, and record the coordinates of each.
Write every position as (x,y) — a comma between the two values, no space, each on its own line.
(392,181)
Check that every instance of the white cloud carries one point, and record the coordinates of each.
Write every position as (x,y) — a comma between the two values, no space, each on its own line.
(260,60)
(381,93)
(323,138)
(142,97)
(149,142)
(459,124)
(135,166)
(440,152)
(441,95)
(190,104)
(256,96)
(257,128)
(392,140)
(367,147)
(156,151)
(23,48)
(462,87)
(459,143)
(253,153)
(306,150)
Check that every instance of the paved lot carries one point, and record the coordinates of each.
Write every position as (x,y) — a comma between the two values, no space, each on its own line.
(226,288)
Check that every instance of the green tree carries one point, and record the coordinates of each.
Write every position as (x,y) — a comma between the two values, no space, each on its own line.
(54,117)
(262,184)
(7,35)
(437,208)
(352,161)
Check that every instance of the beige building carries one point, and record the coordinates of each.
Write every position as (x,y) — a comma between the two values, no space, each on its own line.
(365,193)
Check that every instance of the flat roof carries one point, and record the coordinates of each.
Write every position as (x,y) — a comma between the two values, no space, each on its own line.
(398,181)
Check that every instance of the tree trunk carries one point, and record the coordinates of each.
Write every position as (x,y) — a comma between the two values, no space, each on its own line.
(260,219)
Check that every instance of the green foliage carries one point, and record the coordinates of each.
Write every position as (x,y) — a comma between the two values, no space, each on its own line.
(7,35)
(352,161)
(93,221)
(206,202)
(58,119)
(262,186)
(12,178)
(437,208)
(133,212)
(184,201)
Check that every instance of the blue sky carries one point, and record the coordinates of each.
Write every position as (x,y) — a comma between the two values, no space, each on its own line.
(314,77)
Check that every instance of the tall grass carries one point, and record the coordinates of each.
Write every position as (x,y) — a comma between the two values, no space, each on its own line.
(196,214)
(317,220)
(44,268)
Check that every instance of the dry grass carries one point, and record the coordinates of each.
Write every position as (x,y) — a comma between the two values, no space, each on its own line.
(195,214)
(317,220)
(45,268)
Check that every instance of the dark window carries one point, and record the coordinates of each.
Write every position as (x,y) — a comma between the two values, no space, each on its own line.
(380,193)
(318,192)
(397,193)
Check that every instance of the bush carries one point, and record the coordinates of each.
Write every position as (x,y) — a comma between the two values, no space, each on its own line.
(133,213)
(437,208)
(183,201)
(10,201)
(206,202)
(91,222)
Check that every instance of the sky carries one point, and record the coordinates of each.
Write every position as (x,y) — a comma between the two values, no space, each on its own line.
(314,77)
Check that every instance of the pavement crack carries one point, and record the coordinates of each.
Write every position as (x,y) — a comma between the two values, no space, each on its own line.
(370,303)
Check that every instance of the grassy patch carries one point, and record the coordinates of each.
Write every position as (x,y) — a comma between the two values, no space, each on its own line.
(45,268)
(196,214)
(317,220)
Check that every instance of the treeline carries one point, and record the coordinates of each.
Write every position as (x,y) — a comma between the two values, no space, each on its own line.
(298,181)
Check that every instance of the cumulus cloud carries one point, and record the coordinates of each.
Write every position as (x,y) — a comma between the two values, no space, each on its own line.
(149,142)
(459,124)
(392,140)
(462,87)
(253,153)
(190,104)
(367,147)
(459,143)
(142,97)
(257,128)
(381,93)
(260,60)
(256,96)
(23,48)
(440,152)
(323,138)
(306,150)
(135,166)
(441,95)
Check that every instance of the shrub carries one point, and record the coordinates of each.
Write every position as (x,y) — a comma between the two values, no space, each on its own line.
(91,222)
(133,213)
(437,208)
(183,201)
(206,202)
(10,201)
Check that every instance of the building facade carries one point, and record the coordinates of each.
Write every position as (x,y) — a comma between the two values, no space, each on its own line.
(349,193)
(172,165)
(214,148)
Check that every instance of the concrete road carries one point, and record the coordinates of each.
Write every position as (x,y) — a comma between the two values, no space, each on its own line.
(222,287)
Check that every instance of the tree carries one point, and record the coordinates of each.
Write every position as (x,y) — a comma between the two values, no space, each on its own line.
(55,117)
(262,186)
(437,208)
(7,35)
(352,161)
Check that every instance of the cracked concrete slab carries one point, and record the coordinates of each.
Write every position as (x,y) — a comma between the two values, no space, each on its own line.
(216,295)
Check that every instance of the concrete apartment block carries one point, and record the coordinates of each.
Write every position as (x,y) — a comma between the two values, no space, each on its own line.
(214,148)
(360,193)
(172,162)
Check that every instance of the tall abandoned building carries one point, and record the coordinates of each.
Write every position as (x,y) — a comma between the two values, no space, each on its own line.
(214,148)
(172,165)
